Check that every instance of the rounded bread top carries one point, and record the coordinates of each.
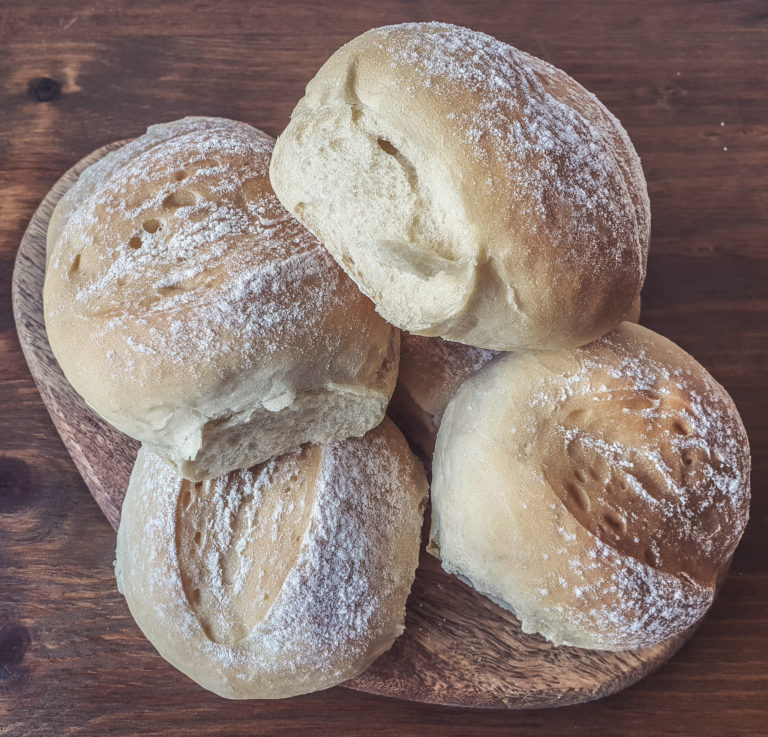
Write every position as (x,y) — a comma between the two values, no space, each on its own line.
(179,288)
(281,579)
(91,178)
(537,195)
(598,492)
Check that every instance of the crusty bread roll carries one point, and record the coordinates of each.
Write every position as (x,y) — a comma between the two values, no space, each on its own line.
(278,580)
(431,372)
(192,312)
(473,191)
(597,492)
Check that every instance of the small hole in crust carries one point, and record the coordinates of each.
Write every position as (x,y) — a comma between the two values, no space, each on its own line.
(198,537)
(182,198)
(387,147)
(681,427)
(196,596)
(687,460)
(152,225)
(178,175)
(616,522)
(134,242)
(580,499)
(75,265)
(576,416)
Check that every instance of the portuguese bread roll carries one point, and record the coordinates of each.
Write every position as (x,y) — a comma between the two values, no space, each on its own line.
(473,191)
(285,578)
(431,372)
(597,492)
(192,312)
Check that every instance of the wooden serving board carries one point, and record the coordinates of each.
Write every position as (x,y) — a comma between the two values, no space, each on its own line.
(458,647)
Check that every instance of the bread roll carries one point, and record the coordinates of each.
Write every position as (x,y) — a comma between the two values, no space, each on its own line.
(192,312)
(431,372)
(473,191)
(597,492)
(282,579)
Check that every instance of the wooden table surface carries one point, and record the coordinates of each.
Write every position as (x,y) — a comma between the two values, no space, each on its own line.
(689,80)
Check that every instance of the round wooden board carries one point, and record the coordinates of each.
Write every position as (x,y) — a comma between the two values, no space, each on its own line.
(458,647)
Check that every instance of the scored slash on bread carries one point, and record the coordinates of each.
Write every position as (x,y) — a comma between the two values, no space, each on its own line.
(281,579)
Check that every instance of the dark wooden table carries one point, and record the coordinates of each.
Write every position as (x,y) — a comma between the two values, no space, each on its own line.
(689,80)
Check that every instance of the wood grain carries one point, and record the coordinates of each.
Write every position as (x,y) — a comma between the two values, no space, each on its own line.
(687,78)
(458,647)
(104,456)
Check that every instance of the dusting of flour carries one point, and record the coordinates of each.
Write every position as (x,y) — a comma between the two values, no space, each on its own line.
(345,593)
(574,171)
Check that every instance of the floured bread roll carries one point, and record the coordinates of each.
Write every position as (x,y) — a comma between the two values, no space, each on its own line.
(474,192)
(597,492)
(192,312)
(281,579)
(431,372)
